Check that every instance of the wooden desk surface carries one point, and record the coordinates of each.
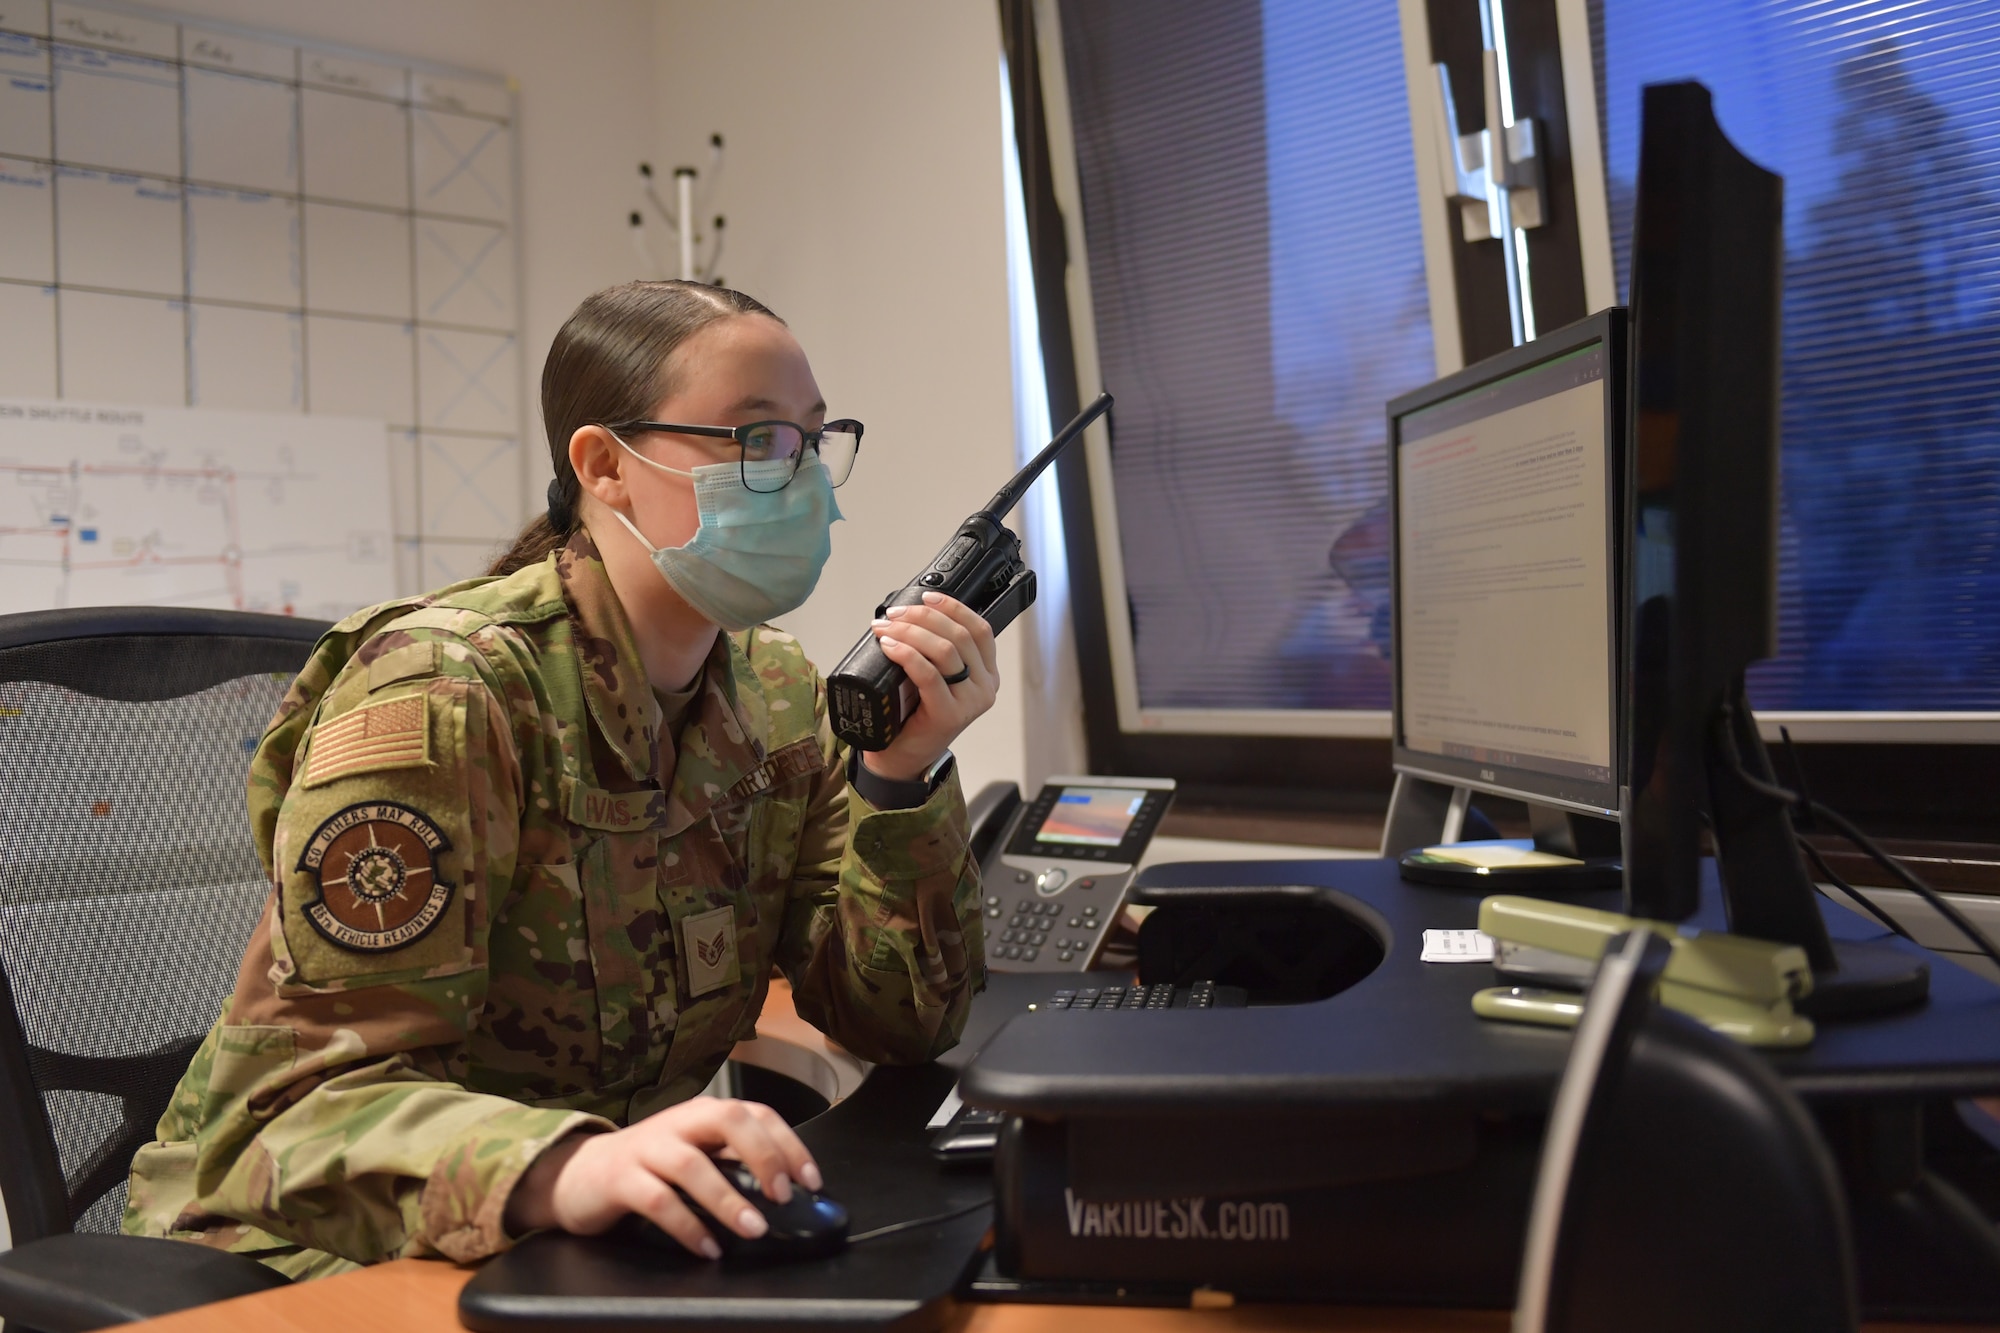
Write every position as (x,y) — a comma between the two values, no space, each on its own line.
(421,1295)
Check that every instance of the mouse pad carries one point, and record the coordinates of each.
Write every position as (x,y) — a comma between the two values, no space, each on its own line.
(872,1150)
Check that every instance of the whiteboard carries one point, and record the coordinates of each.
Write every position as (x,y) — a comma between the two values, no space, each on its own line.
(208,216)
(104,505)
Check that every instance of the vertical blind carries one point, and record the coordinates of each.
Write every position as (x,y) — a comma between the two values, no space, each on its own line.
(1256,266)
(1884,118)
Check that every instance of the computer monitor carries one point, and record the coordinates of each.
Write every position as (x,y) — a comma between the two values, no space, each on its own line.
(1707,262)
(1508,512)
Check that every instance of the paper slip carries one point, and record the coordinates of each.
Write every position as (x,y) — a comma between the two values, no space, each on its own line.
(1497,855)
(1457,946)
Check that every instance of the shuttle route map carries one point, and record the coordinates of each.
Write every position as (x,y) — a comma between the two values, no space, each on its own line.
(106,505)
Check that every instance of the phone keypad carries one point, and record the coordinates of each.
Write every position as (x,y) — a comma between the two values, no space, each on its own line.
(1035,924)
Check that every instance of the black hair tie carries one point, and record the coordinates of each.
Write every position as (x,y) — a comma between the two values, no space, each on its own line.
(558,511)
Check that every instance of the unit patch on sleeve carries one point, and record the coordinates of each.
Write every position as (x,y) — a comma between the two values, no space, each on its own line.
(392,734)
(377,869)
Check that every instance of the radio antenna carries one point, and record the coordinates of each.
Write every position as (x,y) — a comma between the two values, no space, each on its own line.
(1010,494)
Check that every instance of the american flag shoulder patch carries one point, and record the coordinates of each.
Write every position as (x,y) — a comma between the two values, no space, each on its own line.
(395,733)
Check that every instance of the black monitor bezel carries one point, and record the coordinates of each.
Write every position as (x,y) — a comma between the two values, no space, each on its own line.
(1610,328)
(1137,834)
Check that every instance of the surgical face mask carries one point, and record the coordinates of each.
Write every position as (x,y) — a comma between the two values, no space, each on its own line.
(757,554)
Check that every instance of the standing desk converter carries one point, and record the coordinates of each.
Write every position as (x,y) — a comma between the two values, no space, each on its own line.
(1402,1132)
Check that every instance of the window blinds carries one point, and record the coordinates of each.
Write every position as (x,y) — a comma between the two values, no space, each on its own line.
(1256,268)
(1884,118)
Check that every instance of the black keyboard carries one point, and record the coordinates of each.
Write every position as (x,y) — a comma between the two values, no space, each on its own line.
(971,1134)
(1160,995)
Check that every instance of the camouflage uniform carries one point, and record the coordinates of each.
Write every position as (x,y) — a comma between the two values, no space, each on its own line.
(491,925)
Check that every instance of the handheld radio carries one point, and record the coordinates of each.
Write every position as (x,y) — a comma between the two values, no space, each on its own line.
(869,696)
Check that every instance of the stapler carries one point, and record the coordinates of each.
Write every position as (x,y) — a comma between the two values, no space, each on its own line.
(1741,987)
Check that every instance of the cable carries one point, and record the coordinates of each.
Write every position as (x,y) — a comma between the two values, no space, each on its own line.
(1804,820)
(916,1222)
(1937,901)
(1861,900)
(1727,731)
(1812,809)
(1804,817)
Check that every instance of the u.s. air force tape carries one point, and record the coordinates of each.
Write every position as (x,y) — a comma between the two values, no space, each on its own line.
(377,869)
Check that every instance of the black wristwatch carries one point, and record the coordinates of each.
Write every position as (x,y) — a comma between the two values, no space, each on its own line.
(884,794)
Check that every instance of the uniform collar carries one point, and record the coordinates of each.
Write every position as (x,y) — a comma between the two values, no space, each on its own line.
(722,736)
(721,740)
(614,682)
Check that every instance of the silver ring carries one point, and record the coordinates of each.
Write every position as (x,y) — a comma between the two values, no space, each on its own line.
(960,674)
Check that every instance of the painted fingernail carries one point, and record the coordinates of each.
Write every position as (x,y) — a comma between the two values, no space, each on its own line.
(751,1223)
(878,624)
(809,1176)
(709,1249)
(781,1190)
(896,611)
(934,598)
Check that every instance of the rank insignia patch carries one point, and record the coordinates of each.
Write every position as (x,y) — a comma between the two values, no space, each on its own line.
(392,734)
(709,941)
(377,869)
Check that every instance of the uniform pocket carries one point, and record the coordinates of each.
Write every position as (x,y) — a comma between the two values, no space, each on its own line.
(775,822)
(620,881)
(247,1061)
(540,1035)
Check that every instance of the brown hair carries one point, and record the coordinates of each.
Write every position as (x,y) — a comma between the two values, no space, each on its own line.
(608,365)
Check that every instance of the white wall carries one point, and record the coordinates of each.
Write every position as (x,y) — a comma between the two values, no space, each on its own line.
(863,191)
(586,75)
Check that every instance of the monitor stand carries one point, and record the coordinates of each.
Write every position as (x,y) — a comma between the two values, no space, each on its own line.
(1426,814)
(1769,894)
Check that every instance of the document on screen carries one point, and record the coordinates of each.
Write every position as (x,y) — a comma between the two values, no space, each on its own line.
(1506,625)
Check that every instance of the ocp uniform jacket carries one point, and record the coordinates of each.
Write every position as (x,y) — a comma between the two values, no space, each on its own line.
(491,923)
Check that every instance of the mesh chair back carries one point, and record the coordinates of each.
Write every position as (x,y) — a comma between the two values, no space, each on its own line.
(128,880)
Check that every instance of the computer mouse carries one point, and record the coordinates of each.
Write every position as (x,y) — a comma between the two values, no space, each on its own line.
(808,1226)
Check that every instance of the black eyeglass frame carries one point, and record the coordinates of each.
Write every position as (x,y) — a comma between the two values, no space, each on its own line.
(809,439)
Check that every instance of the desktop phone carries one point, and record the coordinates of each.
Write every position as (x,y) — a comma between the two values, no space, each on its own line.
(1057,880)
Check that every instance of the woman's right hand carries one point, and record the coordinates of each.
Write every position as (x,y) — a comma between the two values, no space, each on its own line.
(586,1182)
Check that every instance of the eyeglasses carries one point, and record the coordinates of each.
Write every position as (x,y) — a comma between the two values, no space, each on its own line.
(836,443)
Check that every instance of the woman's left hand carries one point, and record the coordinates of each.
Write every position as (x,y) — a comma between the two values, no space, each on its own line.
(939,639)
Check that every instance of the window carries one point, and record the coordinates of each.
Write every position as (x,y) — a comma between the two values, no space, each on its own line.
(1884,119)
(1256,265)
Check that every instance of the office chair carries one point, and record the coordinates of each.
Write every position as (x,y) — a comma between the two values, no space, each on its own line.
(128,888)
(1682,1185)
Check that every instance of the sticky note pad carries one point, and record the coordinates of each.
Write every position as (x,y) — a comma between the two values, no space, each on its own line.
(1496,855)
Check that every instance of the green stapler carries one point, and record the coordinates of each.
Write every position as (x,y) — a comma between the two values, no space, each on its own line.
(1740,987)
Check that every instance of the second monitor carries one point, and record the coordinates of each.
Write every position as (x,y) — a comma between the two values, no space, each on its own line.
(1507,492)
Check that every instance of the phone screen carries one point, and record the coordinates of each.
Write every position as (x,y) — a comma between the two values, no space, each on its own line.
(1091,816)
